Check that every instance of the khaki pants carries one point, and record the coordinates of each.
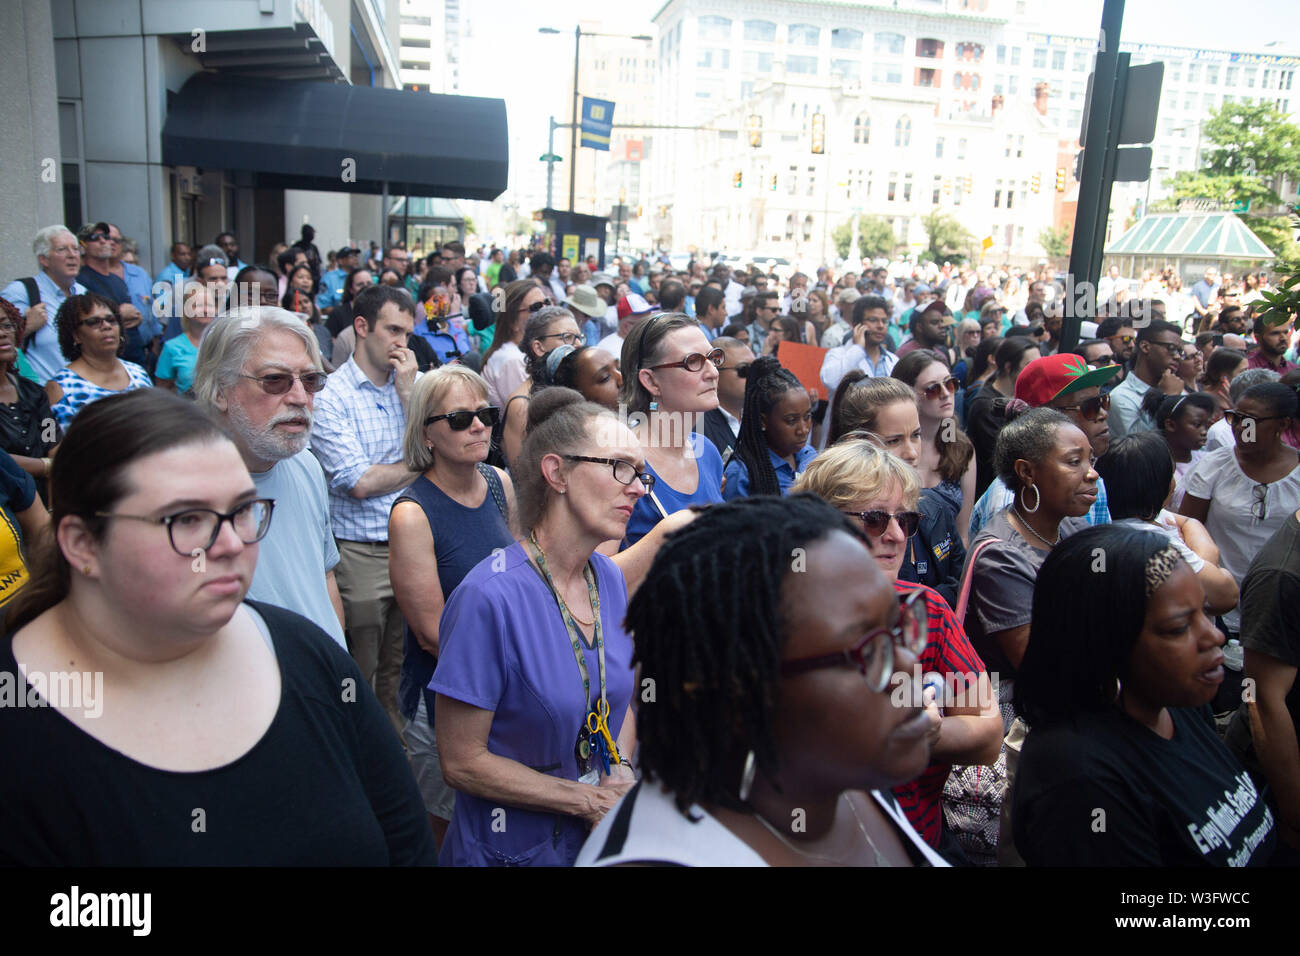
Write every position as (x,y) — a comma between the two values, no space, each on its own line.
(373,621)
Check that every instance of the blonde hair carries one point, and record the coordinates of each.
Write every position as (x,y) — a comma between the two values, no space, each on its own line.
(427,396)
(855,469)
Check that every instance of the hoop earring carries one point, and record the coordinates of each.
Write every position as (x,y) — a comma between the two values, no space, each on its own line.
(747,777)
(1038,500)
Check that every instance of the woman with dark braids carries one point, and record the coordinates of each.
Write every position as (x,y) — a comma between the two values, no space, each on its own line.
(773,738)
(772,449)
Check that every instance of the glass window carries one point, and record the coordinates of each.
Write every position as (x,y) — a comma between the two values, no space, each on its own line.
(1040,57)
(801,64)
(892,190)
(889,44)
(846,38)
(1230,76)
(889,73)
(812,180)
(760,31)
(938,186)
(997,194)
(907,187)
(792,183)
(1058,59)
(1207,101)
(961,148)
(938,149)
(1212,75)
(849,69)
(1193,72)
(807,226)
(714,28)
(862,129)
(1013,84)
(1250,77)
(1002,53)
(803,34)
(1080,61)
(757,62)
(1015,56)
(903,132)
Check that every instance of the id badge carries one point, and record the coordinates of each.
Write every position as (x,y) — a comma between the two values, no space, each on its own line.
(591,776)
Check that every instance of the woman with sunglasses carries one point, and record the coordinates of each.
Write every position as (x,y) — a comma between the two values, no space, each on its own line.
(880,491)
(545,330)
(451,517)
(175,371)
(1047,463)
(1114,683)
(225,739)
(504,363)
(884,411)
(772,448)
(1244,492)
(947,461)
(773,739)
(670,379)
(534,678)
(90,337)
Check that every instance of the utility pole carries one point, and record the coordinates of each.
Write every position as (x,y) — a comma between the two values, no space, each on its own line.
(573,132)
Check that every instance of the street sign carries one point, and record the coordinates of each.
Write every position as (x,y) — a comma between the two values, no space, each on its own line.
(550,158)
(1133,165)
(597,122)
(1243,206)
(1137,123)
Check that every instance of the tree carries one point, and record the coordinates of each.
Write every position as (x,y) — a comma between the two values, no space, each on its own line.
(875,237)
(1055,242)
(947,237)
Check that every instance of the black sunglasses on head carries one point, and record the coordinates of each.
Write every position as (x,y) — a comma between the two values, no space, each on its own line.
(459,421)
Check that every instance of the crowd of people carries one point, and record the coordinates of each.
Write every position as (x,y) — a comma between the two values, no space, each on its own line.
(862,569)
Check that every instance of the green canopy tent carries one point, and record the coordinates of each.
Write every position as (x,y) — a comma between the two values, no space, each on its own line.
(1188,241)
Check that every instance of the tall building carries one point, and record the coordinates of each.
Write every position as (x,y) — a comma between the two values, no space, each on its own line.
(968,97)
(420,52)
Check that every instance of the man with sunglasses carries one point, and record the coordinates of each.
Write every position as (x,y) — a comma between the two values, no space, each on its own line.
(257,374)
(360,421)
(1065,382)
(97,275)
(1155,365)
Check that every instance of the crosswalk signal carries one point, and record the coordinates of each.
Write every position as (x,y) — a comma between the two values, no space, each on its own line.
(1060,179)
(1037,182)
(755,130)
(738,179)
(819,133)
(771,183)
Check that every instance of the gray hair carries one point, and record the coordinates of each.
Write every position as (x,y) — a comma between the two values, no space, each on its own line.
(540,321)
(1031,437)
(45,238)
(1252,376)
(209,252)
(229,338)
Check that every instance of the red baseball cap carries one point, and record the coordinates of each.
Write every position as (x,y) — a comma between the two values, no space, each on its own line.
(633,304)
(1045,378)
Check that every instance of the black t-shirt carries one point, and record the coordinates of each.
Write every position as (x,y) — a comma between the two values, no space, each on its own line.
(1270,596)
(983,423)
(23,423)
(1104,790)
(327,785)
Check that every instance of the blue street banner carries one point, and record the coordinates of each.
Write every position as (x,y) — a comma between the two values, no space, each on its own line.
(597,123)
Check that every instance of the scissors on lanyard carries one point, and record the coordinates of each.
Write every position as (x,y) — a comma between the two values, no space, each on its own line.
(598,722)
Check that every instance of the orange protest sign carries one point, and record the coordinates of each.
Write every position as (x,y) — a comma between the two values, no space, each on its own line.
(805,361)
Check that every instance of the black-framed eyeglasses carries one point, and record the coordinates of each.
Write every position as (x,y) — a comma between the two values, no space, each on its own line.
(1171,347)
(741,370)
(277,383)
(1259,502)
(98,321)
(624,471)
(873,655)
(695,361)
(876,521)
(568,338)
(1089,409)
(196,529)
(1236,418)
(461,420)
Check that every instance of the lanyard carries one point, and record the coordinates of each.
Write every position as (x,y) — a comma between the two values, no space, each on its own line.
(574,635)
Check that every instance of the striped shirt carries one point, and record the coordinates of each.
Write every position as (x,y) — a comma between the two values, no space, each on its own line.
(949,652)
(357,425)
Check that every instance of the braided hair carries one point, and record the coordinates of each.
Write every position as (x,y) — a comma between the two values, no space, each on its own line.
(765,382)
(709,629)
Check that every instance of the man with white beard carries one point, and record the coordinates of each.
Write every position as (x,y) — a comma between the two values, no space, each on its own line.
(258,371)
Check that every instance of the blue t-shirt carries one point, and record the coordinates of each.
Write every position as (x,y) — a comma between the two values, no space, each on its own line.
(707,492)
(738,472)
(503,647)
(176,363)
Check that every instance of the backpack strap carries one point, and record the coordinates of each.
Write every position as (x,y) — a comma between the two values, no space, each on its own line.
(963,597)
(496,488)
(33,297)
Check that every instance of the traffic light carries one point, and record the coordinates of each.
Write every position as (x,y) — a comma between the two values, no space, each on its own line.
(1060,179)
(771,183)
(819,133)
(738,179)
(1037,182)
(755,130)
(947,185)
(967,183)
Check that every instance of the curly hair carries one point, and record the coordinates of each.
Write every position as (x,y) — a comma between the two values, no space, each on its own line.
(74,309)
(14,315)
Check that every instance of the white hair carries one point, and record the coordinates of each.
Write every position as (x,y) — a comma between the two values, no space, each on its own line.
(45,238)
(229,338)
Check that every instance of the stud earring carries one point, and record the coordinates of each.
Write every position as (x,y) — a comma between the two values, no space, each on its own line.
(86,570)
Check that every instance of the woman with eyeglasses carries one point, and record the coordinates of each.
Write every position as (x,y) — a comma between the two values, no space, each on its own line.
(786,706)
(216,731)
(670,379)
(880,491)
(772,448)
(545,330)
(784,328)
(451,517)
(1114,683)
(90,337)
(24,407)
(884,411)
(1191,365)
(947,462)
(504,363)
(1046,462)
(175,371)
(1244,492)
(534,679)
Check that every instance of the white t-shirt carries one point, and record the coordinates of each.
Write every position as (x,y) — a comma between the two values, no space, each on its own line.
(1232,524)
(504,372)
(1168,526)
(1219,436)
(646,826)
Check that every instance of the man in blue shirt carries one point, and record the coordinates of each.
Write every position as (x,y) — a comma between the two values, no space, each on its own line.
(139,285)
(1206,291)
(332,282)
(59,256)
(172,275)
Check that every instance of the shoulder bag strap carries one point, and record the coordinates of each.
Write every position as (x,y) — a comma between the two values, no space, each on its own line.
(963,597)
(33,297)
(494,485)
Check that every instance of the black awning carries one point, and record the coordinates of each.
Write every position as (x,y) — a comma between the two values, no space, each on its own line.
(301,135)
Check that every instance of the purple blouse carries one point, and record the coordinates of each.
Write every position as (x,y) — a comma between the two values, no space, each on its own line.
(503,647)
